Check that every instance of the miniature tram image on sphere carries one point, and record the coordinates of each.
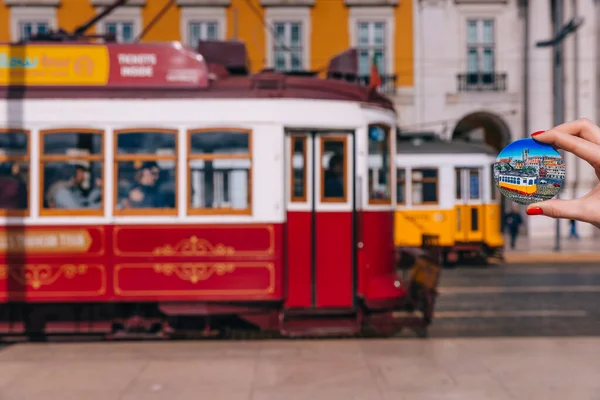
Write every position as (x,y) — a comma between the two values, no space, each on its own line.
(528,172)
(201,198)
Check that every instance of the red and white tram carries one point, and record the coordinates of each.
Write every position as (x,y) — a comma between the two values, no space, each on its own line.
(146,187)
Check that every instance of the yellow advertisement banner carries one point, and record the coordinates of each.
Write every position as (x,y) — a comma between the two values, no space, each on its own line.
(43,65)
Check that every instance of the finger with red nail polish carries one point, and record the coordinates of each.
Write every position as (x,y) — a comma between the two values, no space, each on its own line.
(535,211)
(537,133)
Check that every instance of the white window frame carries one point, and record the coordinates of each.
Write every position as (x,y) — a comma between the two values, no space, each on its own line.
(385,14)
(120,15)
(480,45)
(19,15)
(288,14)
(202,14)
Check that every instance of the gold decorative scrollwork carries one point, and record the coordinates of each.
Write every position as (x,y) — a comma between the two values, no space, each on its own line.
(194,246)
(194,272)
(36,276)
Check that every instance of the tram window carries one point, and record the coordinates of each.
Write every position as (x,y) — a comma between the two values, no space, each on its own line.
(14,172)
(333,170)
(458,173)
(401,186)
(146,172)
(424,186)
(474,185)
(379,164)
(71,168)
(219,163)
(298,169)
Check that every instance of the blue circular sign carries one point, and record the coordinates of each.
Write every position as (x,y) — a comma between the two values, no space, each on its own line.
(376,133)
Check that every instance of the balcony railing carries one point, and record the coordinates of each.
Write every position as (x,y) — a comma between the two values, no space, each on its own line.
(481,82)
(388,82)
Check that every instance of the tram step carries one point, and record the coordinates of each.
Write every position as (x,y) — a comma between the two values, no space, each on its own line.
(320,326)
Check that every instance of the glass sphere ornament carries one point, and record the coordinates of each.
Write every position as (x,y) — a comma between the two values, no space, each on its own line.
(528,172)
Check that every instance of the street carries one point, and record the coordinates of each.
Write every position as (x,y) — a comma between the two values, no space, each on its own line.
(519,300)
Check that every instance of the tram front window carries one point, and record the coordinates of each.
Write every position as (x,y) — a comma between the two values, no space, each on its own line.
(219,163)
(14,171)
(72,171)
(379,164)
(146,164)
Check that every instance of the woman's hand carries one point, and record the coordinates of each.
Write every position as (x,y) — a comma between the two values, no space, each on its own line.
(582,138)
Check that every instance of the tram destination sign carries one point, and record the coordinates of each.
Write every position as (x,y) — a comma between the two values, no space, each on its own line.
(112,65)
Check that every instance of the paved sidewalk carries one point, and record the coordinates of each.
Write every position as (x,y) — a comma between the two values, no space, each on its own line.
(533,250)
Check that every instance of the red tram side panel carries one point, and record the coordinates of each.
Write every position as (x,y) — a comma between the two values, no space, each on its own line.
(126,263)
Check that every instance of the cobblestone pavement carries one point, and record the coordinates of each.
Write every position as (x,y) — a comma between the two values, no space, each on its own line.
(501,333)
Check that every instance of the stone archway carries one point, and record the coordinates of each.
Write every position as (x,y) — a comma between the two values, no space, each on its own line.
(489,128)
(484,127)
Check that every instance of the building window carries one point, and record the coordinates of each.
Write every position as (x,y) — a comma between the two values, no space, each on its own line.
(198,31)
(26,22)
(32,28)
(123,31)
(146,172)
(481,62)
(71,165)
(287,46)
(424,184)
(379,165)
(401,186)
(298,169)
(371,46)
(220,171)
(14,172)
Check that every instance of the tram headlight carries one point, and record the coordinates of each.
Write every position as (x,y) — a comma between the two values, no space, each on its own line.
(397,283)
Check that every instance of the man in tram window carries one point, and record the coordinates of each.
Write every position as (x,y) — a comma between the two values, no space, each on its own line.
(75,193)
(145,193)
(13,190)
(334,177)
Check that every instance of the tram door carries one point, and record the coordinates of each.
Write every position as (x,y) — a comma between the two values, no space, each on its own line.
(469,205)
(320,220)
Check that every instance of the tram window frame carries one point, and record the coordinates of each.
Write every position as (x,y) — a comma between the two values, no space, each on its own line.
(425,180)
(91,158)
(20,159)
(494,190)
(388,140)
(401,184)
(120,158)
(303,139)
(223,156)
(333,138)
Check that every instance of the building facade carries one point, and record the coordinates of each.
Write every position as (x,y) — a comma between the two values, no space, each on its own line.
(281,34)
(479,75)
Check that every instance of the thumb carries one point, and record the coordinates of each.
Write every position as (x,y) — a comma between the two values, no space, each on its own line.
(569,209)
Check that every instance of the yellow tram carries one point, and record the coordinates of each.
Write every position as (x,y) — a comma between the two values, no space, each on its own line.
(447,189)
(517,182)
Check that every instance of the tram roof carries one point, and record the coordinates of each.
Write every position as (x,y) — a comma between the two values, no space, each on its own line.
(214,70)
(519,174)
(431,144)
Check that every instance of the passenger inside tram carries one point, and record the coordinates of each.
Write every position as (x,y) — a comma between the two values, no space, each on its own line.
(13,189)
(74,191)
(334,177)
(146,192)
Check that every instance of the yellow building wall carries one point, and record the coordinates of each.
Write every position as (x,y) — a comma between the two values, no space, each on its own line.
(329,36)
(403,51)
(4,23)
(250,29)
(330,32)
